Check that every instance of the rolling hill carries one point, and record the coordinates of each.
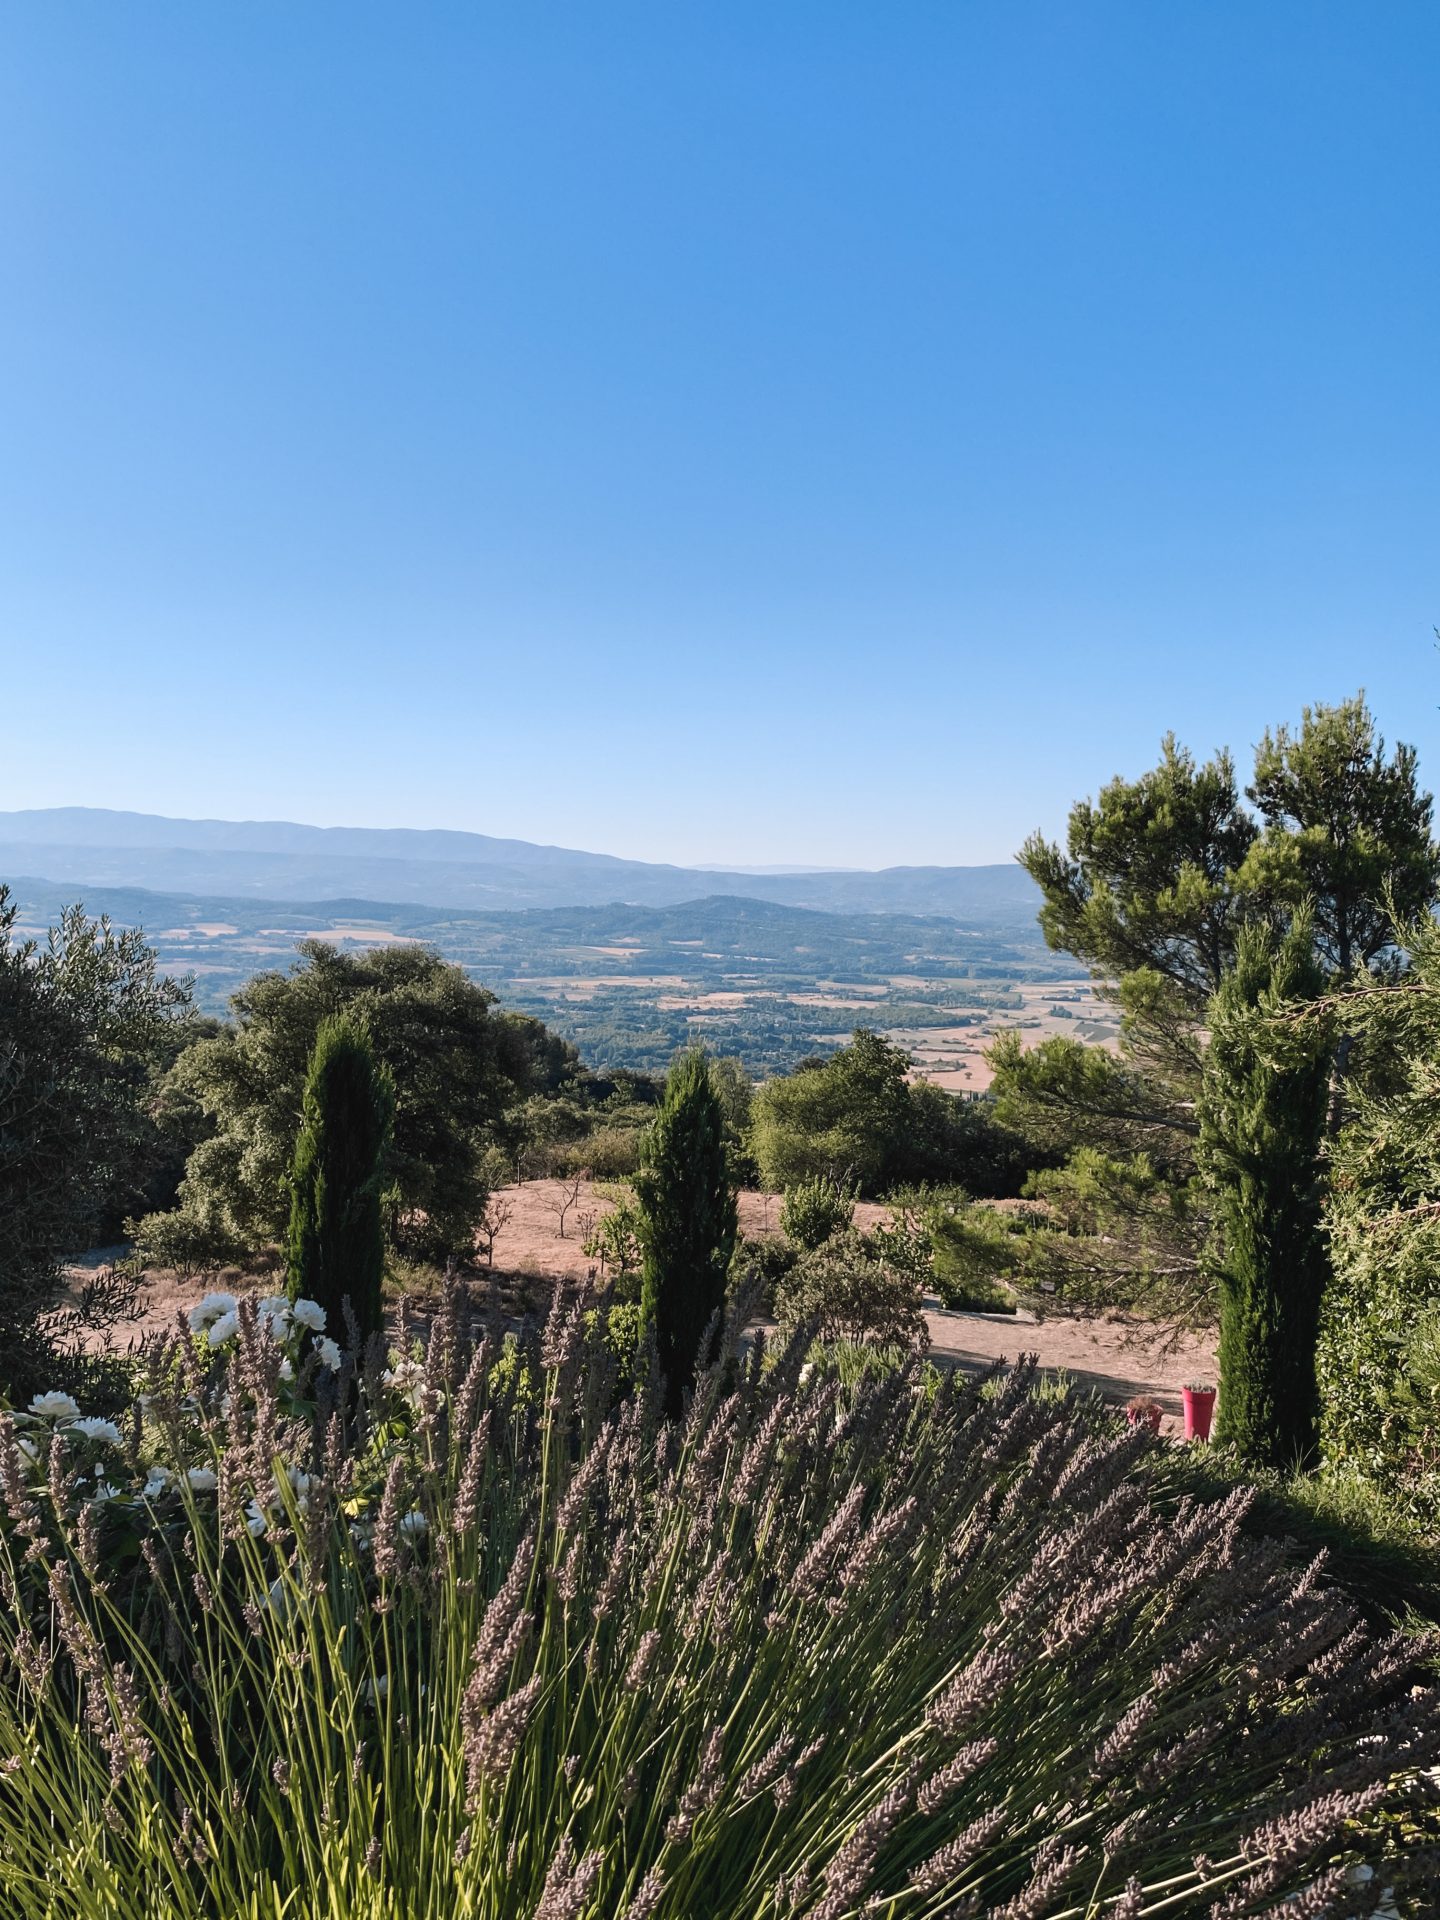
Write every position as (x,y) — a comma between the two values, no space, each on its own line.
(90,847)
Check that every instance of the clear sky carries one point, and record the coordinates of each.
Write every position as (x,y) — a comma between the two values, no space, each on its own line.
(745,431)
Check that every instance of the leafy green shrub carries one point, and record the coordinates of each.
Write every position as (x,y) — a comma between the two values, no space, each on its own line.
(470,1639)
(759,1264)
(190,1243)
(975,1248)
(816,1208)
(857,1116)
(614,1241)
(849,1289)
(606,1152)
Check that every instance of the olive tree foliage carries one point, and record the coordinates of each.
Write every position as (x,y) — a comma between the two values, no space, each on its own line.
(86,1024)
(457,1063)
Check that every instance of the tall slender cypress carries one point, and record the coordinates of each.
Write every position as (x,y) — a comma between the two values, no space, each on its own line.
(1262,1120)
(336,1247)
(687,1221)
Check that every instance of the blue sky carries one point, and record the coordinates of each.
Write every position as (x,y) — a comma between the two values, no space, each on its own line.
(804,432)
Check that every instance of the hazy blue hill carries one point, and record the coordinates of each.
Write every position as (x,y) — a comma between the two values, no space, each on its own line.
(284,861)
(629,984)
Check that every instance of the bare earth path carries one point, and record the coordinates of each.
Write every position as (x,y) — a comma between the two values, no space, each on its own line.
(1116,1356)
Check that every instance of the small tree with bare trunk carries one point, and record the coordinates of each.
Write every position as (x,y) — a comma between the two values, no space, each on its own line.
(492,1223)
(566,1196)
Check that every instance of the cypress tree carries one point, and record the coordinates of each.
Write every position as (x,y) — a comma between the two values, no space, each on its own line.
(1262,1118)
(687,1221)
(335,1246)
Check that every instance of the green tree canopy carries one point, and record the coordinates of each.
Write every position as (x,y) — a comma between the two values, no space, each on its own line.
(1156,887)
(456,1063)
(1161,873)
(841,1118)
(856,1117)
(1149,875)
(1346,831)
(85,1025)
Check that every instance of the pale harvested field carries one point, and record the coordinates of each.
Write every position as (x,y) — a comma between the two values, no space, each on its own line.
(1115,1356)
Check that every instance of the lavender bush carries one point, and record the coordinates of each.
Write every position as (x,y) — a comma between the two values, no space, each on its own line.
(466,1635)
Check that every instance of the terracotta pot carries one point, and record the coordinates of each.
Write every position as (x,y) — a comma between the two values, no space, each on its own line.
(1152,1416)
(1199,1411)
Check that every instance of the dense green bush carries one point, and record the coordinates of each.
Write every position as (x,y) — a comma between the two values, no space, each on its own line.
(1384,1232)
(475,1639)
(760,1262)
(813,1209)
(857,1118)
(974,1248)
(855,1286)
(86,1027)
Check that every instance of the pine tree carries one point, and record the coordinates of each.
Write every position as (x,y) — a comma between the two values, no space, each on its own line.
(687,1221)
(1262,1117)
(336,1244)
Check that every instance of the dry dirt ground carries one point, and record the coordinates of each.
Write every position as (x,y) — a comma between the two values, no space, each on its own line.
(1116,1356)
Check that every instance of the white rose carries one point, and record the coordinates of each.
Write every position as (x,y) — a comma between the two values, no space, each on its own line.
(329,1352)
(310,1314)
(203,1479)
(55,1406)
(210,1308)
(223,1329)
(94,1429)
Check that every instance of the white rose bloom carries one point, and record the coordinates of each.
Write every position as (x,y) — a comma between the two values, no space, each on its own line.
(28,1448)
(103,1492)
(255,1519)
(210,1308)
(55,1406)
(287,1370)
(310,1314)
(203,1479)
(223,1329)
(95,1429)
(329,1353)
(274,1312)
(157,1481)
(414,1524)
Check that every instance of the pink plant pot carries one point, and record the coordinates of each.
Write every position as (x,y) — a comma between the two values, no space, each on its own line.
(1151,1417)
(1199,1405)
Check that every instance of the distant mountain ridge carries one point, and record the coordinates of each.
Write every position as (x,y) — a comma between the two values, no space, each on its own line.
(442,867)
